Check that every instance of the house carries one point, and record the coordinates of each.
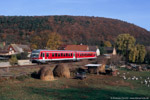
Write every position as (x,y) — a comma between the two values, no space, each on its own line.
(94,48)
(77,47)
(18,48)
(83,48)
(4,54)
(109,51)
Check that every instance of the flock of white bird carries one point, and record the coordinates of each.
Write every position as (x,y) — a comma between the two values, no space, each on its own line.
(143,80)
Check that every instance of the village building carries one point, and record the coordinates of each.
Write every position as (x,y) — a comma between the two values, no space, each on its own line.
(77,47)
(95,48)
(109,51)
(13,49)
(18,48)
(83,48)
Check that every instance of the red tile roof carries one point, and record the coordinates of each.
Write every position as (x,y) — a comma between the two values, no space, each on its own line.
(77,47)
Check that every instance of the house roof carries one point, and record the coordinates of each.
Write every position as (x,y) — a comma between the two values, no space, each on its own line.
(24,47)
(20,47)
(93,48)
(77,47)
(108,49)
(3,51)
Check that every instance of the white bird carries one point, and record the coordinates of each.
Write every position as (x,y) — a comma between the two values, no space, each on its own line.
(145,82)
(118,73)
(148,78)
(136,78)
(132,78)
(124,77)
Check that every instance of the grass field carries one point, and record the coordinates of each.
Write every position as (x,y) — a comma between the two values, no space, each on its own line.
(95,87)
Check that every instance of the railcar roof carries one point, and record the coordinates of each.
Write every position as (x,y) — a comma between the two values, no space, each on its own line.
(60,50)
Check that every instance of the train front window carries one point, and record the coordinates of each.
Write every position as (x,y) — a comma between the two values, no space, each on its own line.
(35,54)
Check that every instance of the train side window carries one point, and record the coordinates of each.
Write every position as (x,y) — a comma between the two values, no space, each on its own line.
(47,54)
(58,54)
(61,54)
(55,54)
(64,54)
(71,54)
(52,54)
(41,54)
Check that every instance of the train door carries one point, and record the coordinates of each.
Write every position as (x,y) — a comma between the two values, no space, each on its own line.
(74,56)
(43,55)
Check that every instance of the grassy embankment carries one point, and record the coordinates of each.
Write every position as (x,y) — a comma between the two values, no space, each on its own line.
(93,88)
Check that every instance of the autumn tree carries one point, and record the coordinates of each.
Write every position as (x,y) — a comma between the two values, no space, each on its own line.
(124,43)
(39,40)
(107,44)
(137,54)
(133,54)
(54,41)
(36,42)
(141,53)
(147,57)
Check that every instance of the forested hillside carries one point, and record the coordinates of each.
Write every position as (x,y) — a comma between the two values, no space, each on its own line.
(73,29)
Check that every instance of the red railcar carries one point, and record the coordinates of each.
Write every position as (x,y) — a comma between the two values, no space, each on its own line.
(43,56)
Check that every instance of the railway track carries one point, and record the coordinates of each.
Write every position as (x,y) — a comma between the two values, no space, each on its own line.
(16,71)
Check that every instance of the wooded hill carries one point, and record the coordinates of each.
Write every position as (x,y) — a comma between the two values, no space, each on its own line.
(73,29)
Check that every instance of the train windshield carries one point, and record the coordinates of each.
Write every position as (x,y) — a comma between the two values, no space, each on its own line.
(35,54)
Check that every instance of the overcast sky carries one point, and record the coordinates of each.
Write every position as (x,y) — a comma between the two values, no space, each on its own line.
(132,11)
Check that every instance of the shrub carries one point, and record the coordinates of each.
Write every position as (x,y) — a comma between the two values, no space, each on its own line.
(13,60)
(22,55)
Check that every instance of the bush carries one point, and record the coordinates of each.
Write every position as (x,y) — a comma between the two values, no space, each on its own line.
(115,60)
(22,55)
(13,60)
